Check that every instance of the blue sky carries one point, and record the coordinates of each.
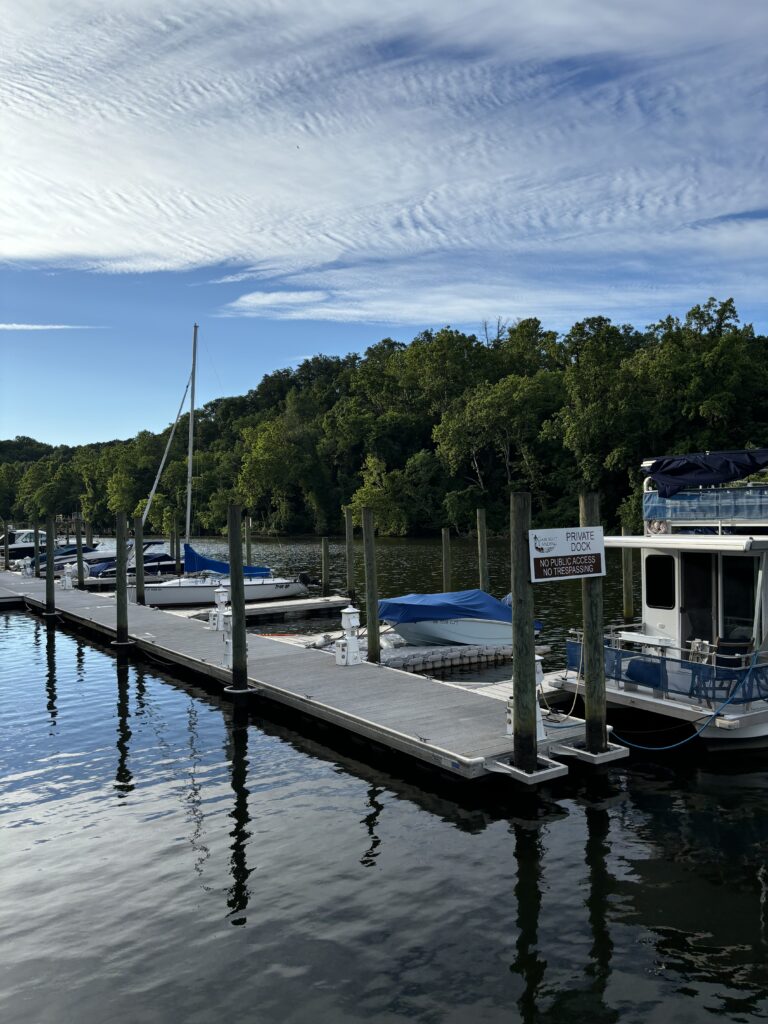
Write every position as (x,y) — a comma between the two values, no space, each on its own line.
(304,176)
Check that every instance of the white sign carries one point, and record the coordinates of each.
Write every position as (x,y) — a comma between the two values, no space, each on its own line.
(573,553)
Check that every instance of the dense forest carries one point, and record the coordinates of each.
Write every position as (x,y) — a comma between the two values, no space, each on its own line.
(427,432)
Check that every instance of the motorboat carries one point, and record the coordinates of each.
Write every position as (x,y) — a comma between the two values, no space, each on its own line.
(699,653)
(21,543)
(457,617)
(193,591)
(156,563)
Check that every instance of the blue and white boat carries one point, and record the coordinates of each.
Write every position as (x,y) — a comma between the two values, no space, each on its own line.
(458,617)
(699,653)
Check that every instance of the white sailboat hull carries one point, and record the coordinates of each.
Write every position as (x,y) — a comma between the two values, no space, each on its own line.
(199,592)
(480,632)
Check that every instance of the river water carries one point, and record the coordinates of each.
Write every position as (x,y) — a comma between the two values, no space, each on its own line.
(160,862)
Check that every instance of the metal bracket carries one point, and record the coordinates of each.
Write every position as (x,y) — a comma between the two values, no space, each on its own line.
(546,769)
(615,752)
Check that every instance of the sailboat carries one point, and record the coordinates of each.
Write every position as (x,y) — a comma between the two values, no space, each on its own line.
(203,576)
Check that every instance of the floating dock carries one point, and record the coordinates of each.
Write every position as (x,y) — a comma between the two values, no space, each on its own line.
(457,730)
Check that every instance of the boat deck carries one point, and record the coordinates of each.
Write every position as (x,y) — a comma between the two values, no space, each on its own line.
(457,730)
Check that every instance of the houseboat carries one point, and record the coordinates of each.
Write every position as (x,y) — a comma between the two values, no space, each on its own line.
(699,654)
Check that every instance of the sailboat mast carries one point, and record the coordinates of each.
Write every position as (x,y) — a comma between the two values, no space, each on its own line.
(191,433)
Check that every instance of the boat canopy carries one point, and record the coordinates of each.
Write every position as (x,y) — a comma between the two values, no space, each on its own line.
(194,562)
(673,473)
(461,604)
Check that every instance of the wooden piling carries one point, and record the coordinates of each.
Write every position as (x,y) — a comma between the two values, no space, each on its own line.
(121,578)
(446,559)
(138,548)
(594,652)
(36,552)
(6,547)
(349,527)
(626,579)
(371,588)
(176,541)
(482,551)
(325,561)
(523,651)
(88,533)
(79,546)
(237,602)
(50,545)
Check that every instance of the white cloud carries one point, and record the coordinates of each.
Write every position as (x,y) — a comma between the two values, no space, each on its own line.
(466,153)
(44,327)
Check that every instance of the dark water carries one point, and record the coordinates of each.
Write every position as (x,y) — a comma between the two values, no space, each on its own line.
(161,863)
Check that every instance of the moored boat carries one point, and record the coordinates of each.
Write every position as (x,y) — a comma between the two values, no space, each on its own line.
(699,654)
(457,617)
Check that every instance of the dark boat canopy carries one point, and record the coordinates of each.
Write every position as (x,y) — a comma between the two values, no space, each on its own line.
(673,473)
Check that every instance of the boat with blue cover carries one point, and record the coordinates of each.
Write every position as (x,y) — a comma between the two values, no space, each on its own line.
(699,653)
(457,617)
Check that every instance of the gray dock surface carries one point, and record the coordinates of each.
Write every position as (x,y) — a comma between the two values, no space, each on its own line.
(458,730)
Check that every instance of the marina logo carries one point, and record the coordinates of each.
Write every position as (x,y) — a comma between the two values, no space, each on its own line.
(543,545)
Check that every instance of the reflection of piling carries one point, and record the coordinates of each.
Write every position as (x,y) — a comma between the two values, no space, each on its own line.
(50,544)
(37,548)
(239,893)
(50,675)
(626,579)
(371,588)
(528,963)
(523,653)
(123,774)
(121,577)
(237,602)
(79,546)
(594,654)
(349,528)
(325,561)
(482,551)
(446,559)
(138,550)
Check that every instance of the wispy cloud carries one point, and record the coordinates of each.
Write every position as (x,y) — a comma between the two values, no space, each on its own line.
(45,327)
(399,163)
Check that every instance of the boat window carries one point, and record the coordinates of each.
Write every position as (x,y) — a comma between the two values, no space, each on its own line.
(739,579)
(660,581)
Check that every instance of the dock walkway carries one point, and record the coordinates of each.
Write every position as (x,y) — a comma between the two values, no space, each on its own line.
(457,730)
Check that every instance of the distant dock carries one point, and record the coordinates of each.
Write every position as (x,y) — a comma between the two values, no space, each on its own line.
(460,731)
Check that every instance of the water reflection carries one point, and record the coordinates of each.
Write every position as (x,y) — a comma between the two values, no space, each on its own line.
(50,673)
(528,962)
(239,892)
(123,775)
(368,860)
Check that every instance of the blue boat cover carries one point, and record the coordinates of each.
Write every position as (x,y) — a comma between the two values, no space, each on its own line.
(672,473)
(461,604)
(194,562)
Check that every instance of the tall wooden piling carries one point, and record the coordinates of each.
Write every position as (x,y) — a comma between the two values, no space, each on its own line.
(447,574)
(138,547)
(325,562)
(36,551)
(626,579)
(79,547)
(237,601)
(594,652)
(50,545)
(121,578)
(349,528)
(523,650)
(88,533)
(371,588)
(177,546)
(482,552)
(6,547)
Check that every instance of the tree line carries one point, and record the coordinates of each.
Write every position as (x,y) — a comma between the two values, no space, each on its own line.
(424,433)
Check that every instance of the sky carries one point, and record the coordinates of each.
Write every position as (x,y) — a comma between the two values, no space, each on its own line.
(310,176)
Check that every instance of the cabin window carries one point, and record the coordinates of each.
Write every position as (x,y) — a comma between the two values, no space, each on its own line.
(660,581)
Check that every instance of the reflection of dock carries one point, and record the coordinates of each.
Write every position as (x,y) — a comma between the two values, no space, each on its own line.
(457,730)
